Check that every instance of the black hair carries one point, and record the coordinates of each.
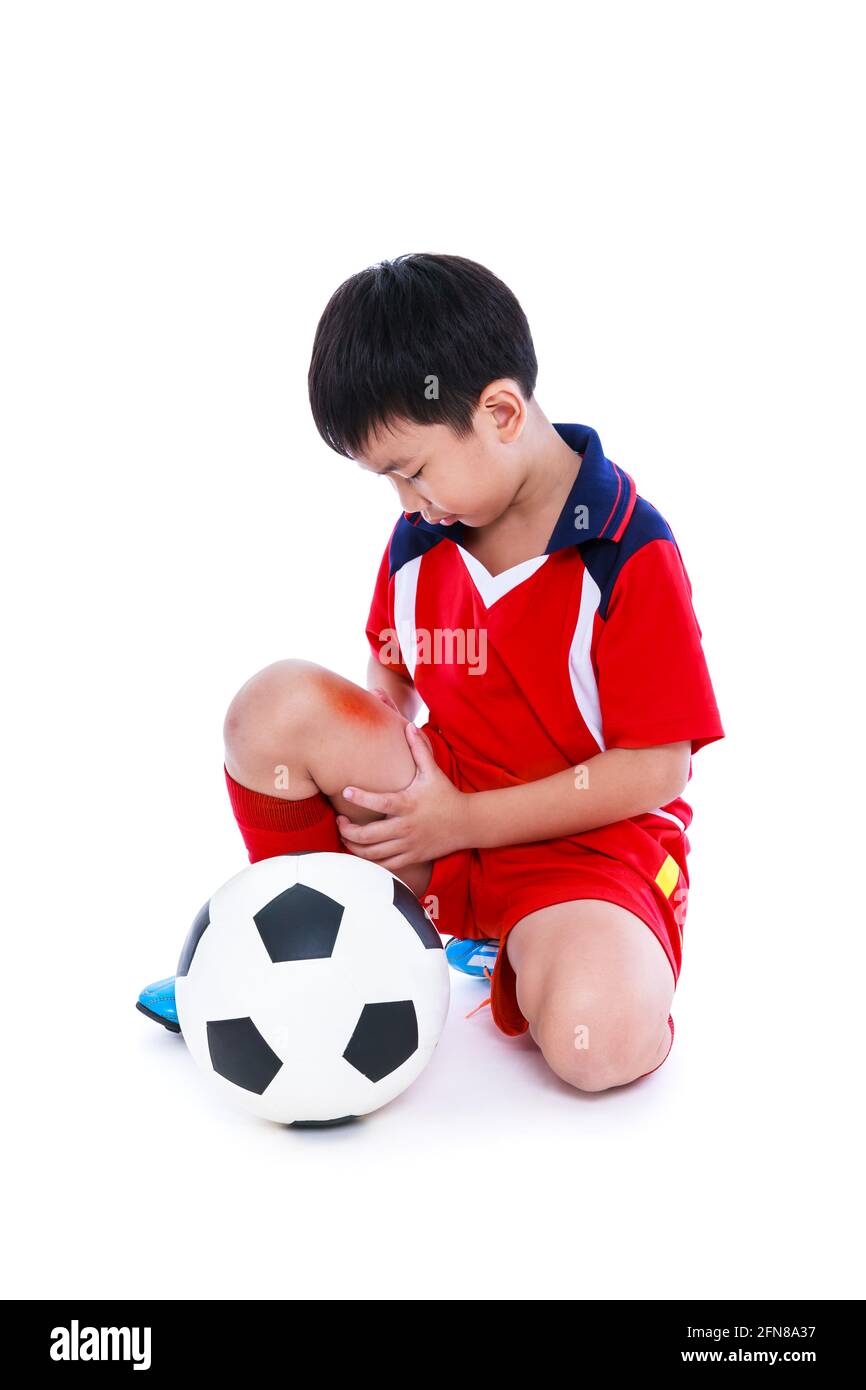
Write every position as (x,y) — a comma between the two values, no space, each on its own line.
(387,330)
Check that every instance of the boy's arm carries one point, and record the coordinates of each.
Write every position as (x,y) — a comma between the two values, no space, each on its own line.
(401,690)
(385,667)
(657,704)
(612,786)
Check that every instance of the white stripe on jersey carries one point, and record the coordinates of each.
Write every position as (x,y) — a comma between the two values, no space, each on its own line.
(580,670)
(668,815)
(405,588)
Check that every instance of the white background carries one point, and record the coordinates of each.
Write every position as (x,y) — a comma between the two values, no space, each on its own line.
(674,194)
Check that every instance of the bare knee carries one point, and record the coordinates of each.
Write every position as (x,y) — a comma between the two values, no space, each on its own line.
(595,1040)
(265,721)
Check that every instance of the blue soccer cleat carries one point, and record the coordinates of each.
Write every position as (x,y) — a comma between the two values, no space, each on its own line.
(476,958)
(157,1001)
(472,957)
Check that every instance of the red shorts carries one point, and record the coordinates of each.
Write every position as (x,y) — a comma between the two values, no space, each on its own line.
(485,892)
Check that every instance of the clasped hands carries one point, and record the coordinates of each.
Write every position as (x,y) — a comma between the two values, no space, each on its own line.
(421,822)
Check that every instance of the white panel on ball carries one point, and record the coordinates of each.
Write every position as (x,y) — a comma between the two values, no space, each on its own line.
(317,990)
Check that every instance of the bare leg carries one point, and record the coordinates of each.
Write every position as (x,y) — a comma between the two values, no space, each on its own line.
(296,728)
(596,987)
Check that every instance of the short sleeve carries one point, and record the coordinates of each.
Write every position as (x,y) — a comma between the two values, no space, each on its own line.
(381,629)
(653,681)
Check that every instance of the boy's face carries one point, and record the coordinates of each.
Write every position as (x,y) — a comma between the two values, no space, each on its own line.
(446,478)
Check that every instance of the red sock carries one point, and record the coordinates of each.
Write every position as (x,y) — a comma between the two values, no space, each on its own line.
(270,826)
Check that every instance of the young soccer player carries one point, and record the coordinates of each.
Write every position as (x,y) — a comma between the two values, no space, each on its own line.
(540,609)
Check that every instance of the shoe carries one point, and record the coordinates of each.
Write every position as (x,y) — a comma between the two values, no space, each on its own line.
(475,958)
(156,1001)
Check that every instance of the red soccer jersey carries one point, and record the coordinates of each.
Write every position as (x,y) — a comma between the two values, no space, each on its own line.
(592,645)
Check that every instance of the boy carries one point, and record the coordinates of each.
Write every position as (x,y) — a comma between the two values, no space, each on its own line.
(541,611)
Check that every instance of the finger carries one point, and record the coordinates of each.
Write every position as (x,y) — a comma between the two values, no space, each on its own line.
(389,802)
(376,853)
(373,833)
(384,698)
(422,749)
(400,861)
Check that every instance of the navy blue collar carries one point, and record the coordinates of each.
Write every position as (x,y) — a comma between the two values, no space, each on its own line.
(598,507)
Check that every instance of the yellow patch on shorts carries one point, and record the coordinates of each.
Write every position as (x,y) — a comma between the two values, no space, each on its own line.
(667,875)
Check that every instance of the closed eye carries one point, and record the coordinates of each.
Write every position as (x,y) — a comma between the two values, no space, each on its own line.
(416,475)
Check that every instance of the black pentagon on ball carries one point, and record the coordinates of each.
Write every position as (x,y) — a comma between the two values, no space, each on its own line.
(194,936)
(321,1124)
(385,1036)
(299,924)
(240,1054)
(406,903)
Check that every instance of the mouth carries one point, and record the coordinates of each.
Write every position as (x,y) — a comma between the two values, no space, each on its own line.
(446,520)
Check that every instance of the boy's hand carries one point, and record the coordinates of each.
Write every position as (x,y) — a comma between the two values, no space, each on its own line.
(384,697)
(424,821)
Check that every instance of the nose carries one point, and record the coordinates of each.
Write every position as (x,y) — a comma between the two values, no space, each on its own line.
(408,498)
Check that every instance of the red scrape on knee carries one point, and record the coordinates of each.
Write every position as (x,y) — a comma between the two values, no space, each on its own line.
(351,702)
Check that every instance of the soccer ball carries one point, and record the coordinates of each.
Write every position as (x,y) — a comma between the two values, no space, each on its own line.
(312,988)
